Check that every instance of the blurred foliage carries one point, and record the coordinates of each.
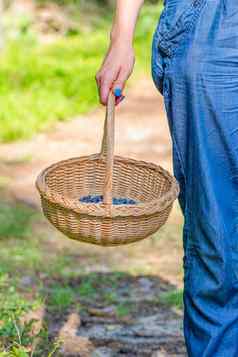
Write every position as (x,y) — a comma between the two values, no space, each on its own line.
(14,220)
(41,83)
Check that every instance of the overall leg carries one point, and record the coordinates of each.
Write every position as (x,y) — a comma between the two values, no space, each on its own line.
(200,88)
(204,108)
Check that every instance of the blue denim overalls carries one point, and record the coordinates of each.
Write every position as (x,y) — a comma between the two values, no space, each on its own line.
(194,65)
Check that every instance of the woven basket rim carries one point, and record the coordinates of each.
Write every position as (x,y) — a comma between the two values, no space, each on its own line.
(100,209)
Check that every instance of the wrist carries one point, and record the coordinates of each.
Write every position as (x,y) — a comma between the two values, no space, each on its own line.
(121,37)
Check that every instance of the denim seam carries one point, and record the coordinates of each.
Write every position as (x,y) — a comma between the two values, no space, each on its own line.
(179,157)
(180,163)
(190,247)
(156,71)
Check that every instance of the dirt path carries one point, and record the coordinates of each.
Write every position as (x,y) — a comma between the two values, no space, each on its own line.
(141,132)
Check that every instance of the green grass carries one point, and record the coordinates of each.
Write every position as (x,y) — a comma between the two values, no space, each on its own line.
(22,258)
(61,297)
(41,84)
(19,252)
(123,310)
(15,334)
(173,298)
(86,289)
(15,220)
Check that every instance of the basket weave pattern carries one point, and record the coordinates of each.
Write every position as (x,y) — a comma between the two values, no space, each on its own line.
(62,184)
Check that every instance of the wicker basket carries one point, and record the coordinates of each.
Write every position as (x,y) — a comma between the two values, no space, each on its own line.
(62,184)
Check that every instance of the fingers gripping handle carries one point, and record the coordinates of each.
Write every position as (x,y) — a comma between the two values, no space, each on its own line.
(107,148)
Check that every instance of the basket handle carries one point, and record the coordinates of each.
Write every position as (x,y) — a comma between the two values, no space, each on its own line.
(107,148)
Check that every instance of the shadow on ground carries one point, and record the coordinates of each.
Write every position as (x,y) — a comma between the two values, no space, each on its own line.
(114,314)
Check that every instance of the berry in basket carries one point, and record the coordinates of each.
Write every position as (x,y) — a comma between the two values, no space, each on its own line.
(115,200)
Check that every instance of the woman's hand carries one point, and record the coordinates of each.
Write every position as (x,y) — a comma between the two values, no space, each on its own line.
(119,61)
(116,68)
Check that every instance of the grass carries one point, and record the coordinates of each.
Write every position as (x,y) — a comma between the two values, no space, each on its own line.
(173,298)
(14,220)
(86,289)
(15,335)
(41,84)
(61,297)
(21,287)
(123,310)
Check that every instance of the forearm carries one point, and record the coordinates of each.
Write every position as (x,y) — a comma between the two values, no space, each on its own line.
(119,60)
(125,19)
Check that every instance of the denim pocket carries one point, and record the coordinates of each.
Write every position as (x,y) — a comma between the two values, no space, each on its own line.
(174,23)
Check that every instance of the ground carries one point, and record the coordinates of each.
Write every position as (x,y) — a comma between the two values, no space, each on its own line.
(123,301)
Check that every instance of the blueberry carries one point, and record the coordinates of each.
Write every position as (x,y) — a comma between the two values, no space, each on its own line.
(115,200)
(131,202)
